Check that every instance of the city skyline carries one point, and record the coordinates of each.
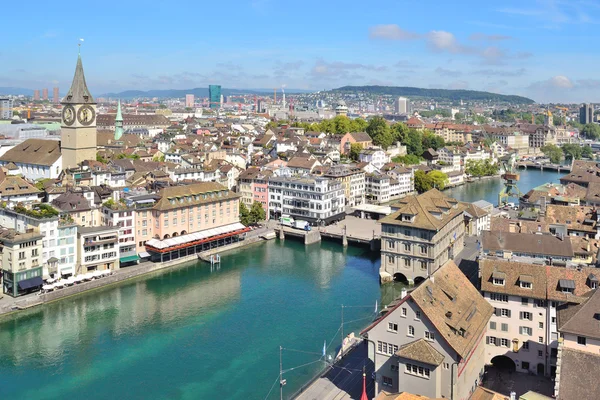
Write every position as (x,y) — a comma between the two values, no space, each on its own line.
(537,49)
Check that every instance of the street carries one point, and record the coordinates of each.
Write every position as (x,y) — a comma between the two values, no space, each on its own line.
(467,260)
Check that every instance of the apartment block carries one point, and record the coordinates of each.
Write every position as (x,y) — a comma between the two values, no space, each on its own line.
(21,262)
(98,249)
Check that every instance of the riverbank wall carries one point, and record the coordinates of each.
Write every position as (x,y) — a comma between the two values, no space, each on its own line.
(140,270)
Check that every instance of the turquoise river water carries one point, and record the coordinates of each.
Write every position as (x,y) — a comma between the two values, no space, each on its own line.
(197,333)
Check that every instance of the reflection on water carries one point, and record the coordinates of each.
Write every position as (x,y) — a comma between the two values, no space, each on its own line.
(488,189)
(190,332)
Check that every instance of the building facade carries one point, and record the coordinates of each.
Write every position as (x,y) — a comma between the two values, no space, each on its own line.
(423,233)
(214,96)
(317,200)
(6,108)
(21,262)
(430,341)
(98,249)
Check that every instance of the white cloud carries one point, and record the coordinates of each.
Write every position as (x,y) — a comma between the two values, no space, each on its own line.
(391,32)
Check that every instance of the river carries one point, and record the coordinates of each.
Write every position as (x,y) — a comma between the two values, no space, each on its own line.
(488,189)
(193,333)
(197,333)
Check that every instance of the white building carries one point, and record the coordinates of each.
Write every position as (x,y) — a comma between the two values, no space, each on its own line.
(401,106)
(35,158)
(316,200)
(123,218)
(98,249)
(450,157)
(377,157)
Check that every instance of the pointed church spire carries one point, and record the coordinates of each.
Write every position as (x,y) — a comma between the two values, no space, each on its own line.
(79,92)
(118,122)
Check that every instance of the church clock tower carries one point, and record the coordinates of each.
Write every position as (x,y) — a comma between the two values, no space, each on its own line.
(78,129)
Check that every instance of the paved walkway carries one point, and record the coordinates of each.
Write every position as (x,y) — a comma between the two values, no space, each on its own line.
(355,227)
(344,380)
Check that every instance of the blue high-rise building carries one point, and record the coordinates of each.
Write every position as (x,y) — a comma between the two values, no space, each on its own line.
(214,96)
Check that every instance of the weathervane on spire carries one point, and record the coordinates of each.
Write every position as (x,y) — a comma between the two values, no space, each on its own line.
(79,45)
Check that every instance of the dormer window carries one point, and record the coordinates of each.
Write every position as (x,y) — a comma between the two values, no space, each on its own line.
(525,281)
(592,281)
(406,217)
(566,285)
(498,278)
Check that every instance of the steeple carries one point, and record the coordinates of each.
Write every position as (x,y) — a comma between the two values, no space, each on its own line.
(118,122)
(79,92)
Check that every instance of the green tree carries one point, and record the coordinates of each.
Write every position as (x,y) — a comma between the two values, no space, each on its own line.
(431,140)
(587,152)
(399,132)
(101,159)
(572,151)
(379,131)
(358,125)
(257,212)
(355,149)
(438,179)
(553,152)
(272,125)
(423,183)
(409,159)
(341,124)
(591,131)
(414,142)
(244,215)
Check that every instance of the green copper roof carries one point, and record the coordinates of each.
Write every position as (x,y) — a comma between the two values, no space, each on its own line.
(119,115)
(79,92)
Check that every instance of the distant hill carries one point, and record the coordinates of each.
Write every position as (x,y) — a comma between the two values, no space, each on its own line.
(436,94)
(198,92)
(15,91)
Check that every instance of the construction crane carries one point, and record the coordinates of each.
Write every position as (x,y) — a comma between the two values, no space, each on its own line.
(510,178)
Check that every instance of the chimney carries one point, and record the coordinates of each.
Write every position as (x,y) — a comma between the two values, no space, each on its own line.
(513,396)
(432,278)
(403,293)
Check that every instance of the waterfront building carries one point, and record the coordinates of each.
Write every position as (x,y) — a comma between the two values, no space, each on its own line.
(377,188)
(6,108)
(586,114)
(193,218)
(551,249)
(422,233)
(21,265)
(430,341)
(36,159)
(118,214)
(351,178)
(98,249)
(317,200)
(214,97)
(254,186)
(59,250)
(78,128)
(515,138)
(451,157)
(579,366)
(142,204)
(377,157)
(523,332)
(583,173)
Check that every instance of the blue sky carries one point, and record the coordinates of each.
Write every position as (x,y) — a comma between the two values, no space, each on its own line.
(544,49)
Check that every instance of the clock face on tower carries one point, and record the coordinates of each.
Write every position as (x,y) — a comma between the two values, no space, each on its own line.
(68,115)
(86,115)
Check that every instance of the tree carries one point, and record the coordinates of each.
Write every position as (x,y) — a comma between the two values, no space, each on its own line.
(257,212)
(572,151)
(438,179)
(399,132)
(414,142)
(358,125)
(422,182)
(587,152)
(379,131)
(481,168)
(355,149)
(244,215)
(271,125)
(101,159)
(341,124)
(554,153)
(431,140)
(591,131)
(409,159)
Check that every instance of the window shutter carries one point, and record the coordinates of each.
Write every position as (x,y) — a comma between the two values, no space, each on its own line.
(497,311)
(521,315)
(508,313)
(497,342)
(531,316)
(487,340)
